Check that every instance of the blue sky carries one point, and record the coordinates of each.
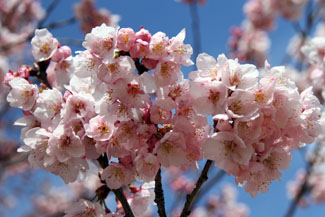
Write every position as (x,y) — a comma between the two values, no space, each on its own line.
(216,18)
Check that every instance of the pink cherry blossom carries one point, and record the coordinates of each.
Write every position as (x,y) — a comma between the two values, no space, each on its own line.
(171,149)
(117,175)
(100,128)
(209,98)
(147,166)
(125,39)
(43,45)
(228,150)
(64,145)
(101,41)
(22,94)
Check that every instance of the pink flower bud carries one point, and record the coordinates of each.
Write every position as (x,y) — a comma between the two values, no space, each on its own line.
(125,39)
(24,71)
(139,49)
(143,34)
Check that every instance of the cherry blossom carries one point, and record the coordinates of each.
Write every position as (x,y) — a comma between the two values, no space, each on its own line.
(125,100)
(22,94)
(43,45)
(85,208)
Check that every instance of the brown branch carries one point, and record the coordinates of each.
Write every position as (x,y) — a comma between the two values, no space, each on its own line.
(60,23)
(121,197)
(191,197)
(49,10)
(159,195)
(304,187)
(39,71)
(212,181)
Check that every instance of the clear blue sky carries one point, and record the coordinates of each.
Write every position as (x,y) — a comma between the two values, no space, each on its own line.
(216,17)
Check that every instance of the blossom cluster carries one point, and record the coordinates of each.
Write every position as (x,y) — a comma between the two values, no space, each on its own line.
(262,13)
(314,177)
(315,184)
(257,123)
(18,20)
(53,199)
(156,117)
(90,17)
(250,41)
(140,200)
(314,52)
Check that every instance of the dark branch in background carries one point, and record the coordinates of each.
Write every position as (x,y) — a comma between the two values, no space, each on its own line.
(13,160)
(49,10)
(311,14)
(191,197)
(195,29)
(12,12)
(304,187)
(159,195)
(212,181)
(14,44)
(40,24)
(61,23)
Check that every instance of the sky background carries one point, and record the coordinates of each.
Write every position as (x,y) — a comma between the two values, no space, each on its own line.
(216,18)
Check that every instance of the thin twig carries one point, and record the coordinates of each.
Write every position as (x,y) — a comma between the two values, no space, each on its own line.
(191,197)
(60,23)
(304,187)
(295,202)
(310,18)
(195,29)
(159,195)
(212,181)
